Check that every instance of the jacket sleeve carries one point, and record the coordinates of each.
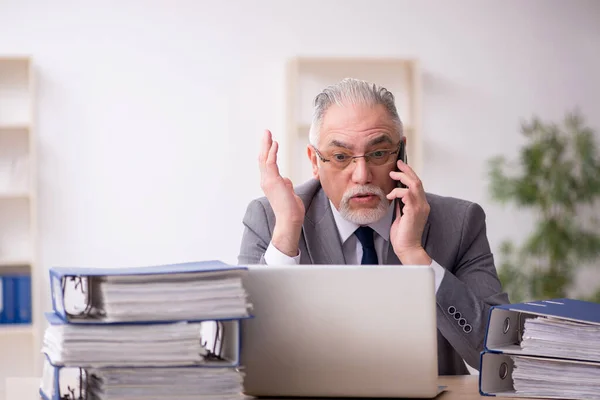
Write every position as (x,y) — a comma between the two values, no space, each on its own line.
(466,295)
(256,236)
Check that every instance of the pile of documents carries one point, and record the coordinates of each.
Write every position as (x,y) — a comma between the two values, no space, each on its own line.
(540,377)
(554,337)
(145,344)
(142,298)
(155,333)
(147,294)
(545,349)
(164,383)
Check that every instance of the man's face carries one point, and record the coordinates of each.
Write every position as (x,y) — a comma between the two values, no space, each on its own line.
(357,190)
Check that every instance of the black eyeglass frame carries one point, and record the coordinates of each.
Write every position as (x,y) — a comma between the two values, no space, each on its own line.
(366,156)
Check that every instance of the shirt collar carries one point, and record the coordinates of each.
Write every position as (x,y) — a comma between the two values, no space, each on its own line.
(347,228)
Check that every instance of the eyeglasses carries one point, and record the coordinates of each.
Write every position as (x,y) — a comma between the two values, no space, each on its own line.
(341,160)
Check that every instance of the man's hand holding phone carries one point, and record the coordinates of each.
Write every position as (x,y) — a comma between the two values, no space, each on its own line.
(407,229)
(287,206)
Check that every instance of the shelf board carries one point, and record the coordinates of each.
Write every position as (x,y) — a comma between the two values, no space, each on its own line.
(14,127)
(14,195)
(15,58)
(15,329)
(16,262)
(316,60)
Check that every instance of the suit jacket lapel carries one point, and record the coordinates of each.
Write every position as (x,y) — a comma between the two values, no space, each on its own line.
(425,234)
(321,234)
(392,258)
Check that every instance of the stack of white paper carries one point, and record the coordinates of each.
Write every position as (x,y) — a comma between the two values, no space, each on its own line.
(164,383)
(168,297)
(109,345)
(551,337)
(539,377)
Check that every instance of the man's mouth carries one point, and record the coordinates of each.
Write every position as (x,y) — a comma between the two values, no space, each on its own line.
(364,195)
(365,198)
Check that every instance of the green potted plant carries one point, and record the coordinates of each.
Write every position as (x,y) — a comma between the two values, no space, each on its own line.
(557,177)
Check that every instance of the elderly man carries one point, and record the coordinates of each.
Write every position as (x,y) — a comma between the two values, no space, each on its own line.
(348,214)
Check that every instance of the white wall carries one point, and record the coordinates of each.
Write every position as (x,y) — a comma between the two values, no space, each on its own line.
(150,112)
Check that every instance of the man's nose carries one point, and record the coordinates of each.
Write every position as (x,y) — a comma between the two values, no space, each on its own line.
(362,172)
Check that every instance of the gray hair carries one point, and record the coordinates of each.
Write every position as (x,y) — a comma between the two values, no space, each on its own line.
(351,91)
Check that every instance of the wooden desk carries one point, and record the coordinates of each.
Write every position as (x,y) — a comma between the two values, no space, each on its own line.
(463,387)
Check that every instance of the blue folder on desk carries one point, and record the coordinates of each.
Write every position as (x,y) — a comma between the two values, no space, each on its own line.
(504,333)
(88,280)
(496,374)
(228,340)
(506,322)
(69,383)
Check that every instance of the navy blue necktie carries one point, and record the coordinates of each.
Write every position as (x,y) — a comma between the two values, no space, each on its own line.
(365,236)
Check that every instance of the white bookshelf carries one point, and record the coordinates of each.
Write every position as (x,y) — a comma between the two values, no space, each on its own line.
(18,329)
(18,210)
(308,76)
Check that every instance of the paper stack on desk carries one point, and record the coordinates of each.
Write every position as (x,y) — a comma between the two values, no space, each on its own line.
(544,349)
(539,377)
(145,344)
(554,337)
(164,383)
(155,333)
(189,291)
(143,298)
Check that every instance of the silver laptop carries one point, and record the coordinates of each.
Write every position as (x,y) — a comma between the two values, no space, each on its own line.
(341,331)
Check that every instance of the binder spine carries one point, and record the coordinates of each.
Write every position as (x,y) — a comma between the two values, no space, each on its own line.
(64,282)
(495,374)
(227,344)
(50,389)
(479,378)
(2,302)
(23,299)
(15,299)
(224,352)
(504,328)
(56,290)
(9,301)
(503,349)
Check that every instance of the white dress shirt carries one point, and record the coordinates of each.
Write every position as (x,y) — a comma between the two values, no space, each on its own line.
(351,246)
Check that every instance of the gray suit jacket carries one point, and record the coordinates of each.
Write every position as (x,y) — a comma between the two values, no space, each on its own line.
(454,236)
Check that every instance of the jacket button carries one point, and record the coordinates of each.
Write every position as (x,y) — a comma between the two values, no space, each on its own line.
(451,310)
(457,316)
(462,322)
(467,328)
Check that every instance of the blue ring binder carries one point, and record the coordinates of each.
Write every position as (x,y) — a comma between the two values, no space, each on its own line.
(220,352)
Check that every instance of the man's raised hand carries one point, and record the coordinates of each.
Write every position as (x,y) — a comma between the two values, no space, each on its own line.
(287,206)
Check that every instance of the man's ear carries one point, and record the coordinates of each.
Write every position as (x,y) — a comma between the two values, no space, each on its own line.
(312,156)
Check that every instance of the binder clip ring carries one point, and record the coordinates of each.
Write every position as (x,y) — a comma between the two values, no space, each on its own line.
(503,371)
(71,392)
(506,326)
(84,286)
(216,353)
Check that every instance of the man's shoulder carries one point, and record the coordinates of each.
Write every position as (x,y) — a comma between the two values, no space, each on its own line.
(448,207)
(448,201)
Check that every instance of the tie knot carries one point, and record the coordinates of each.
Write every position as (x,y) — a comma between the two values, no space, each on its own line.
(365,236)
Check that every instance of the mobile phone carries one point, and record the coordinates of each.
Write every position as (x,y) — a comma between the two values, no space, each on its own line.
(401,156)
